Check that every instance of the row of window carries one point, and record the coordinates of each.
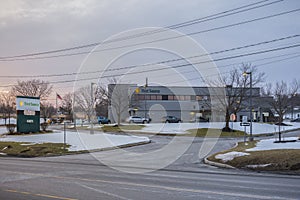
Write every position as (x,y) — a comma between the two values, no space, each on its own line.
(170,97)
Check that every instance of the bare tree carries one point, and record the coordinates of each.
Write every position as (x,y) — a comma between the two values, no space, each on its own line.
(67,105)
(237,90)
(33,88)
(7,101)
(119,99)
(84,103)
(47,110)
(101,98)
(282,94)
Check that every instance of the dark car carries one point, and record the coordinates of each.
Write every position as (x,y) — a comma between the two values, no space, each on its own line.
(103,120)
(296,120)
(171,119)
(202,119)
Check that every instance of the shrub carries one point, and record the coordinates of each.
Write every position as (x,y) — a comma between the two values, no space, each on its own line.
(11,128)
(44,126)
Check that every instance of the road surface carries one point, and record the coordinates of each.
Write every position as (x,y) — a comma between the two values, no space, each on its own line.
(84,177)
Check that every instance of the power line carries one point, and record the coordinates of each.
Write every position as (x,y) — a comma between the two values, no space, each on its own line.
(203,31)
(199,79)
(178,66)
(296,55)
(199,20)
(156,63)
(187,23)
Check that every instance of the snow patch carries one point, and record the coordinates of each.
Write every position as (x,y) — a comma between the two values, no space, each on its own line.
(27,144)
(258,166)
(230,155)
(269,144)
(79,141)
(181,128)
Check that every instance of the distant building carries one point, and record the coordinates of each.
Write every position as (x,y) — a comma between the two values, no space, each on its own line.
(188,103)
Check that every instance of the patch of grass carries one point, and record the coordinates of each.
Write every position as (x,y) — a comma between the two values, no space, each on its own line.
(202,132)
(278,160)
(283,159)
(122,128)
(24,149)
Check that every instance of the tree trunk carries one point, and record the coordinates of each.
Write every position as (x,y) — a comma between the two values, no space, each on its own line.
(279,132)
(119,119)
(227,119)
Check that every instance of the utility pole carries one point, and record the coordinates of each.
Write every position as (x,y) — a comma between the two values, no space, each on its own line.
(145,86)
(251,113)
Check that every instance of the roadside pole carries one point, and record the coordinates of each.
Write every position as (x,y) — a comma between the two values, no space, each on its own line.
(245,134)
(65,137)
(245,123)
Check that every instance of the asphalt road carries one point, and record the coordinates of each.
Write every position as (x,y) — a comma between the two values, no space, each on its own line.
(85,177)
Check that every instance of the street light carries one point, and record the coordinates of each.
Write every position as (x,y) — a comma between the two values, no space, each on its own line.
(292,101)
(251,114)
(145,86)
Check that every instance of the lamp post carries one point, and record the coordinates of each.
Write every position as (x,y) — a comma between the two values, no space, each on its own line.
(145,86)
(251,114)
(292,101)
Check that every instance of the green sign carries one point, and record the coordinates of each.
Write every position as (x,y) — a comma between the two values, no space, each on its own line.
(28,114)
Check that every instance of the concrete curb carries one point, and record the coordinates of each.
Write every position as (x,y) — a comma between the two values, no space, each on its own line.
(217,164)
(120,146)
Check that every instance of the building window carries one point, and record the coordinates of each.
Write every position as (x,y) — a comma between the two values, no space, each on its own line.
(187,97)
(158,97)
(170,97)
(164,97)
(153,97)
(180,98)
(193,97)
(147,97)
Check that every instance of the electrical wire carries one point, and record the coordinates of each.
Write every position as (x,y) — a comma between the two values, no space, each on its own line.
(178,66)
(156,63)
(187,23)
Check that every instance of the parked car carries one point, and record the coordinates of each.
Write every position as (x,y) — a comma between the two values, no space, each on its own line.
(202,119)
(103,120)
(296,120)
(171,119)
(137,119)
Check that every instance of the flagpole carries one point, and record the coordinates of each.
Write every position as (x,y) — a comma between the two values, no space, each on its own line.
(56,109)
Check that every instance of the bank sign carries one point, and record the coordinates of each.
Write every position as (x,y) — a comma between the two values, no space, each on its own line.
(28,103)
(143,90)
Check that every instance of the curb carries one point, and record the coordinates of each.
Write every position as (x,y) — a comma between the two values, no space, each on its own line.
(217,164)
(119,147)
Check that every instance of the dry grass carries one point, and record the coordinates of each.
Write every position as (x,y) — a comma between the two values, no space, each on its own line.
(278,160)
(108,128)
(32,150)
(202,132)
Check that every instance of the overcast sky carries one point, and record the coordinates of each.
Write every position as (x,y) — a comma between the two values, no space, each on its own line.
(42,25)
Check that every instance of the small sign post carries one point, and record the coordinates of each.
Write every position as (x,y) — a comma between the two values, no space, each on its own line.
(245,123)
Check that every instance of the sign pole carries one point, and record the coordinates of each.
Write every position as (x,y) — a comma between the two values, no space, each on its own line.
(65,136)
(245,134)
(56,108)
